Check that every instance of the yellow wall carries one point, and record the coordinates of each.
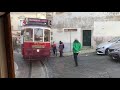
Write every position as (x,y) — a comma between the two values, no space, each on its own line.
(15,20)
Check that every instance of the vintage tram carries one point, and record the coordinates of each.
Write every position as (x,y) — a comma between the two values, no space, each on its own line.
(35,38)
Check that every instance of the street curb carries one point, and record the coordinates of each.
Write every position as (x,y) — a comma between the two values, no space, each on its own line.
(71,54)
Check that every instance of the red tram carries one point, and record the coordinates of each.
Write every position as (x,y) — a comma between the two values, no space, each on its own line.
(35,38)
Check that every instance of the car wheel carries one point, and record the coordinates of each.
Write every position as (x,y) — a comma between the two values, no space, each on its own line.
(106,51)
(113,58)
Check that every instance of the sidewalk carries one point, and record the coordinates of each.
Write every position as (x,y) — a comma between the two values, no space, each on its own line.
(83,51)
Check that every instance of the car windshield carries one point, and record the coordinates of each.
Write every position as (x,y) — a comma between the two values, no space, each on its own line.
(114,39)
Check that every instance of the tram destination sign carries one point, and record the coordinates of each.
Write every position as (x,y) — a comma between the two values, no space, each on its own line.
(37,21)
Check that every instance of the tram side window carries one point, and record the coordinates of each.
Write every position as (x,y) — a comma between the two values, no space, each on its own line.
(38,34)
(28,35)
(47,35)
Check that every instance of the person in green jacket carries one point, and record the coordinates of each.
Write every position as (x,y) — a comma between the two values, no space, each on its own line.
(76,49)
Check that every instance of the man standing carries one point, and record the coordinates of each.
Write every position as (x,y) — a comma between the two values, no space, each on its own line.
(76,48)
(61,47)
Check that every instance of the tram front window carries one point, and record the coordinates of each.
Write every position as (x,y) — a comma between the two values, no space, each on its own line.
(47,35)
(38,34)
(28,35)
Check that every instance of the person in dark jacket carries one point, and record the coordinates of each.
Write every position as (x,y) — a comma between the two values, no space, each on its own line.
(76,49)
(61,47)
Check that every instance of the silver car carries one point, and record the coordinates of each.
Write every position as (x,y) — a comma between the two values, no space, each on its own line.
(103,47)
(114,51)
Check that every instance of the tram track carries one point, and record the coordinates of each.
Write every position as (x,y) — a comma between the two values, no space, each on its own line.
(45,68)
(30,69)
(42,66)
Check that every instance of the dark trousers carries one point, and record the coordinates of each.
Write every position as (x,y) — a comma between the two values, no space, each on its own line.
(61,53)
(55,51)
(75,58)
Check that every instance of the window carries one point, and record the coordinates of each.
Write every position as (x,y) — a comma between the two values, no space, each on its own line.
(38,34)
(51,33)
(28,34)
(51,38)
(47,35)
(22,32)
(70,30)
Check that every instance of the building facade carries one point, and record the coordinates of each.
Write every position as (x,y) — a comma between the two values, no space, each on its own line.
(18,17)
(90,28)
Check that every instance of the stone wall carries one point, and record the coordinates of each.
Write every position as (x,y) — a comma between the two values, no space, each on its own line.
(85,21)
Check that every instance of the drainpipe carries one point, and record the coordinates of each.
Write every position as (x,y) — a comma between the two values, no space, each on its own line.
(70,40)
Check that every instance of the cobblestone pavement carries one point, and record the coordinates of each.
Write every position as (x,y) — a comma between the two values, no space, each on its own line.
(35,69)
(23,67)
(90,66)
(83,51)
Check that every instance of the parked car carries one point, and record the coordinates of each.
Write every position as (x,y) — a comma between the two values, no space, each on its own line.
(114,51)
(103,47)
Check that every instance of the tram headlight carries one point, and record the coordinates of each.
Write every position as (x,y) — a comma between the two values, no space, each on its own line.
(38,50)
